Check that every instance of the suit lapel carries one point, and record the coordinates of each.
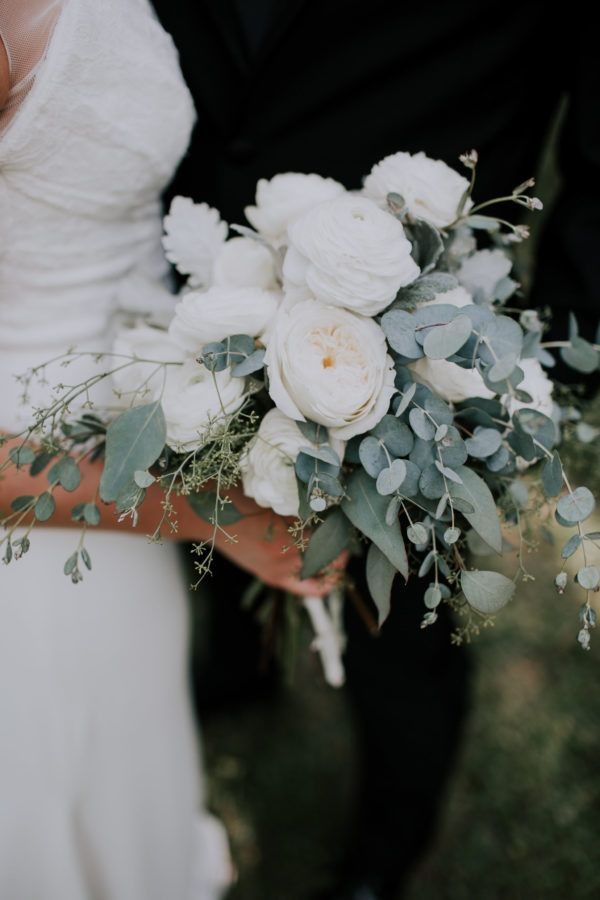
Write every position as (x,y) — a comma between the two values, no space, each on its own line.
(209,37)
(282,19)
(226,20)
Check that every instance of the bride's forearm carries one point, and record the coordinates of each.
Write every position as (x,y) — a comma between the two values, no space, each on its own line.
(259,542)
(19,482)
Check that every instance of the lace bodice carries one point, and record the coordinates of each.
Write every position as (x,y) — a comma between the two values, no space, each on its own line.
(83,162)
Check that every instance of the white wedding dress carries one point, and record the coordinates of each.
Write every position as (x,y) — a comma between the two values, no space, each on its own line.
(101,796)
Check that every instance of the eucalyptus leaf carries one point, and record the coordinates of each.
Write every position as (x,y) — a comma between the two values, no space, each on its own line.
(143,479)
(448,473)
(571,546)
(366,510)
(498,460)
(576,506)
(324,453)
(552,478)
(396,435)
(441,507)
(452,450)
(23,455)
(581,355)
(91,514)
(432,596)
(214,356)
(40,462)
(427,564)
(445,340)
(391,513)
(328,483)
(438,410)
(431,483)
(486,592)
(484,518)
(372,456)
(399,329)
(485,442)
(44,507)
(391,478)
(22,502)
(422,426)
(451,535)
(417,533)
(313,431)
(134,441)
(405,399)
(71,563)
(380,574)
(589,577)
(502,337)
(66,473)
(410,485)
(326,543)
(253,363)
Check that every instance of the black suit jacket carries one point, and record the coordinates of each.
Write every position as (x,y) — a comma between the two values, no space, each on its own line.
(338,84)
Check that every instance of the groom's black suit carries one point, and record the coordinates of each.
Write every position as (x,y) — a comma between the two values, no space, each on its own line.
(335,86)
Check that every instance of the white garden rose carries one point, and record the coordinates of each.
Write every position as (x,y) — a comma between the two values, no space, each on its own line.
(430,188)
(481,272)
(267,465)
(245,262)
(281,200)
(194,400)
(205,316)
(449,380)
(539,387)
(348,252)
(143,382)
(329,365)
(194,236)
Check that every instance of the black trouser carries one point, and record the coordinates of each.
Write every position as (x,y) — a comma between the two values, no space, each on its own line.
(409,689)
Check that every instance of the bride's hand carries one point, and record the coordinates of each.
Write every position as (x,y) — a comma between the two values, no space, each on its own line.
(259,543)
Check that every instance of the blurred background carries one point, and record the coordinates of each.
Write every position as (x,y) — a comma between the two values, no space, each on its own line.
(521,817)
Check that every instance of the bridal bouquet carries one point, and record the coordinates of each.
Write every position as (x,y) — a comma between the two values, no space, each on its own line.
(353,361)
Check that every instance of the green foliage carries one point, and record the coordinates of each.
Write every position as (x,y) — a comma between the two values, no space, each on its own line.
(134,441)
(366,510)
(326,543)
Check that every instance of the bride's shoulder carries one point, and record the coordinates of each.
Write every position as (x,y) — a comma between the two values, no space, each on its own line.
(4,75)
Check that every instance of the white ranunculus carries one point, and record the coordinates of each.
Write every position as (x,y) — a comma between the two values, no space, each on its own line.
(194,236)
(144,381)
(458,296)
(449,380)
(329,365)
(194,400)
(267,465)
(539,387)
(349,252)
(481,272)
(281,200)
(245,262)
(205,316)
(430,188)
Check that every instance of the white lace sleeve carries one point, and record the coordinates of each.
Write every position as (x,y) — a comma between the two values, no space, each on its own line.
(25,29)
